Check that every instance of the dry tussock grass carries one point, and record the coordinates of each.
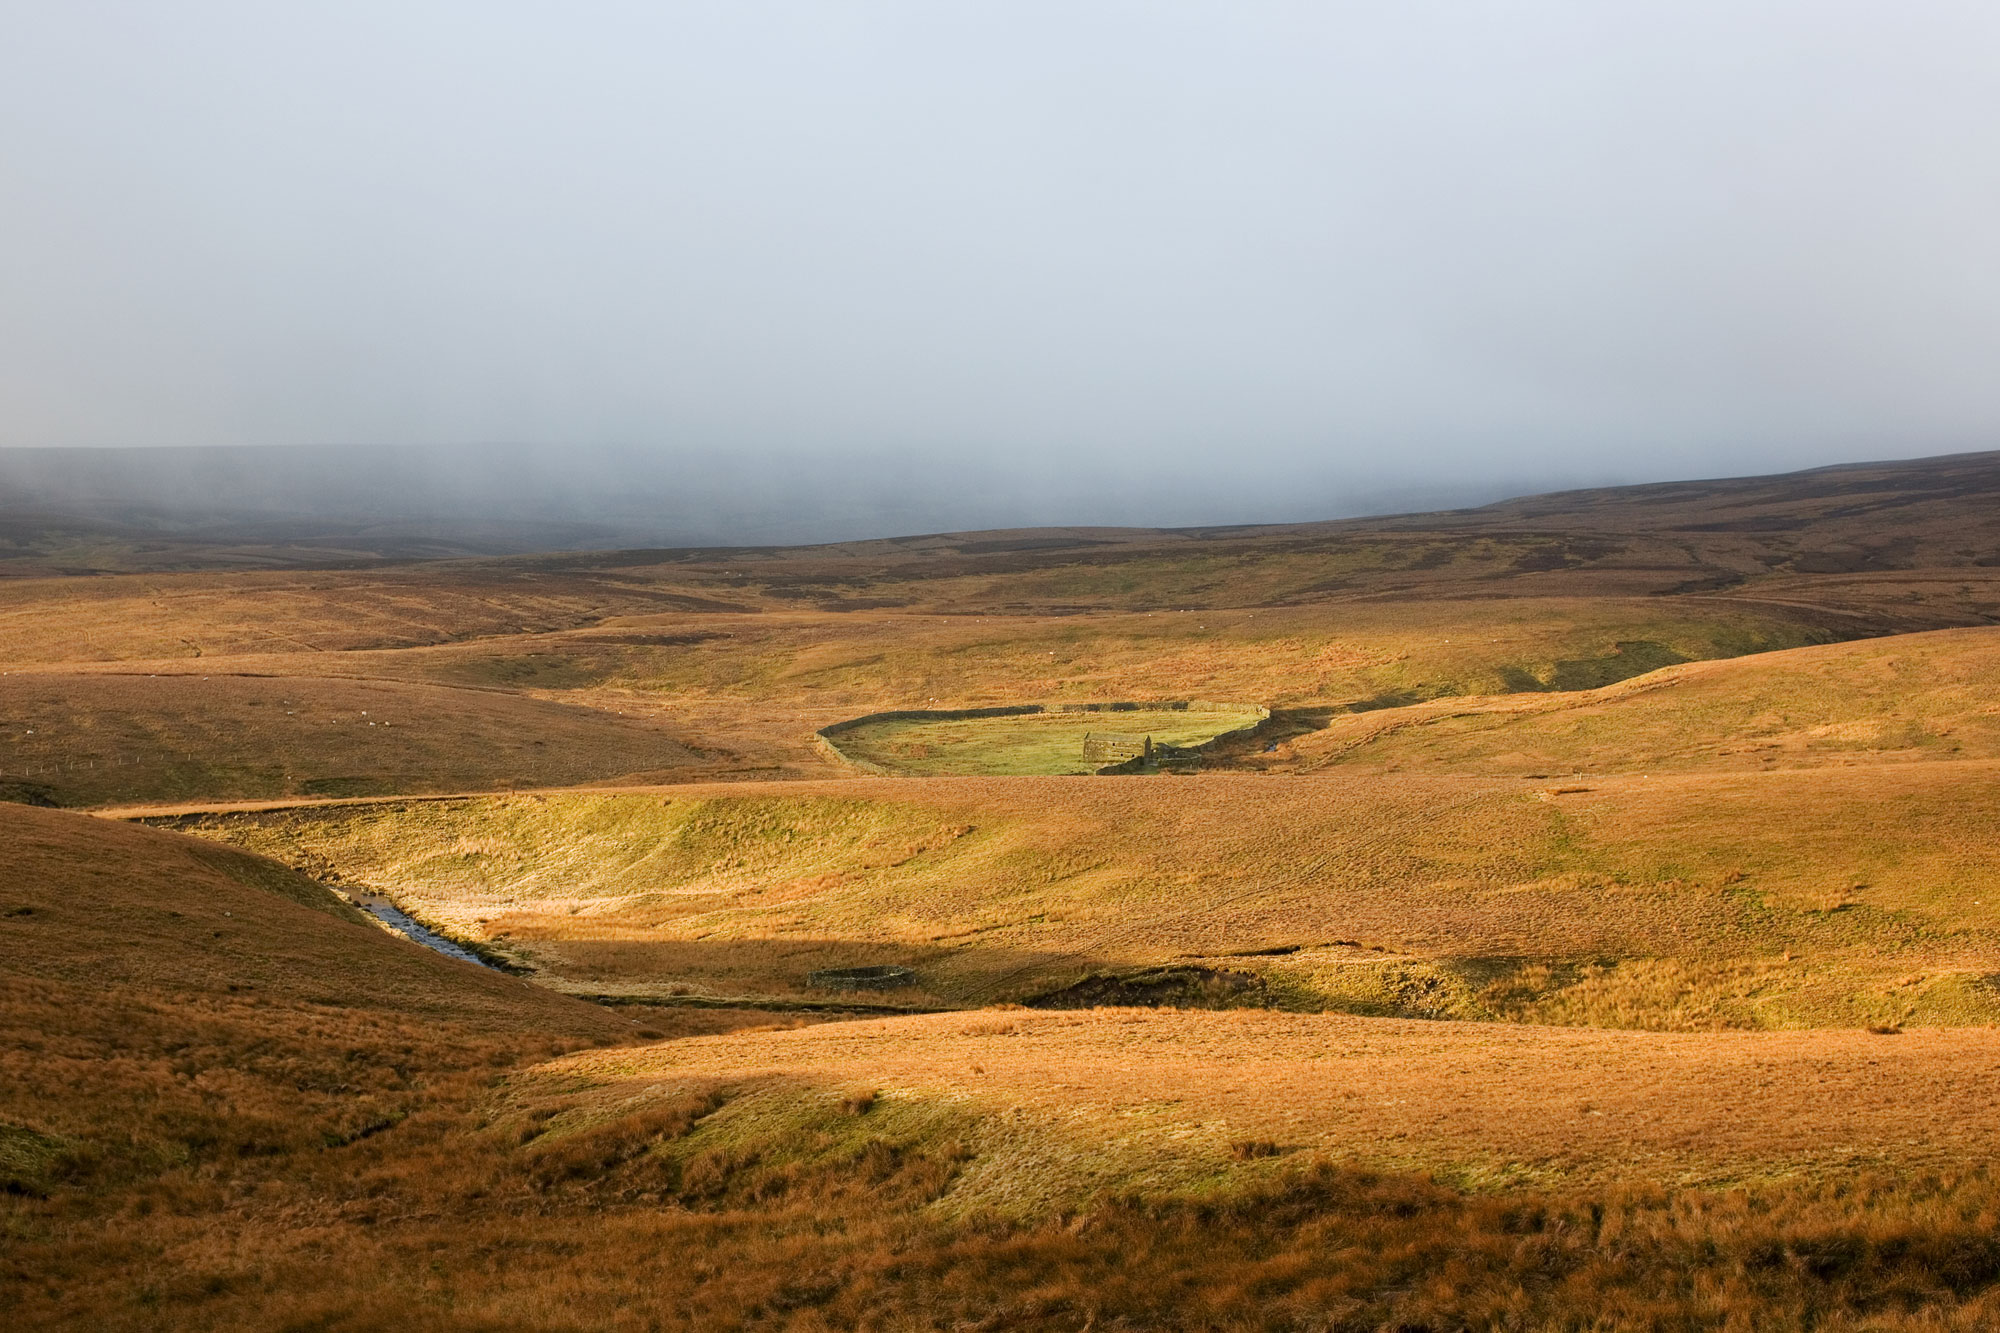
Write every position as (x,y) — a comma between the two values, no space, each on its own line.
(164,617)
(225,1102)
(96,738)
(1910,697)
(1164,1096)
(1687,901)
(746,678)
(326,1145)
(560,1205)
(91,903)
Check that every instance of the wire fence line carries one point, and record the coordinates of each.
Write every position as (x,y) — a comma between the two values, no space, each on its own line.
(30,768)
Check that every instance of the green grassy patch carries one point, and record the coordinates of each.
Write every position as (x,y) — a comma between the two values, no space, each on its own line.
(1024,745)
(32,1163)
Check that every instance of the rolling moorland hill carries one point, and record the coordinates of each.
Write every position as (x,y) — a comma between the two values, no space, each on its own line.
(1884,518)
(60,510)
(1706,1032)
(1052,1110)
(170,1003)
(1691,902)
(169,1000)
(724,663)
(1905,697)
(739,693)
(88,739)
(230,1104)
(1920,511)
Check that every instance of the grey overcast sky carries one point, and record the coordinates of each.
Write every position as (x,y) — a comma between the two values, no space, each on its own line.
(1365,244)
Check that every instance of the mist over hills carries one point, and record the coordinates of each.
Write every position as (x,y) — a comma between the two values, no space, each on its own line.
(767,667)
(1596,832)
(412,501)
(183,507)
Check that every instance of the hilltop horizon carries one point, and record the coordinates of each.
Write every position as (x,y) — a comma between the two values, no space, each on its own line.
(304,504)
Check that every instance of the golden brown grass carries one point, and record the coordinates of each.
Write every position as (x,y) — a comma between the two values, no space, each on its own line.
(1067,1105)
(227,1102)
(447,1225)
(201,1157)
(753,686)
(93,738)
(603,677)
(184,616)
(300,1122)
(1684,901)
(92,903)
(743,655)
(1908,697)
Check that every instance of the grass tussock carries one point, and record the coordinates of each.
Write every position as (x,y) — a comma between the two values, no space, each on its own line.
(81,738)
(371,1137)
(1069,1104)
(445,1226)
(1686,902)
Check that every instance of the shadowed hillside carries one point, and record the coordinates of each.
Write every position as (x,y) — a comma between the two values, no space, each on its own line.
(169,1003)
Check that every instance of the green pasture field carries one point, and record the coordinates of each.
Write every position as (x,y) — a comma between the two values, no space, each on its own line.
(1028,744)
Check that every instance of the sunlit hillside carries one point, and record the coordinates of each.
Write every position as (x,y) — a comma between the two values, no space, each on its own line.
(1053,1109)
(1770,899)
(1908,697)
(1598,932)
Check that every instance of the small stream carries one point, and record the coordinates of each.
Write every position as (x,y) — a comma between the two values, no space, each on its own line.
(396,919)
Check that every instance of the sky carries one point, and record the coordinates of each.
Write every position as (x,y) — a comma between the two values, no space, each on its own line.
(1260,258)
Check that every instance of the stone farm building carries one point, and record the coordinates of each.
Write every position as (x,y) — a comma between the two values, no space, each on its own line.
(1109,747)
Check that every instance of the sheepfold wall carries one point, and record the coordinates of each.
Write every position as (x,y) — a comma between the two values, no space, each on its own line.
(824,739)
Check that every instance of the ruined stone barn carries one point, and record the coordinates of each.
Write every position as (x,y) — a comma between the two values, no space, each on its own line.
(1111,747)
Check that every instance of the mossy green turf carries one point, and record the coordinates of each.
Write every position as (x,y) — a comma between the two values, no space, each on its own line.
(1045,744)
